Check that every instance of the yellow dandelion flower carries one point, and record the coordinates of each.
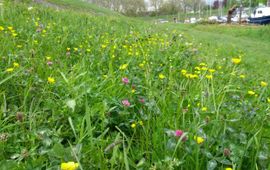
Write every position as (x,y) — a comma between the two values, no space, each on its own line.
(133,91)
(2,28)
(236,60)
(14,34)
(198,139)
(123,67)
(9,70)
(141,123)
(10,28)
(103,46)
(133,125)
(48,58)
(51,80)
(68,49)
(16,65)
(250,92)
(141,65)
(264,84)
(75,49)
(69,166)
(88,50)
(268,100)
(161,76)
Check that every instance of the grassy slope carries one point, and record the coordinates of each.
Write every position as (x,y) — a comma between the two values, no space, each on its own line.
(93,80)
(79,5)
(253,41)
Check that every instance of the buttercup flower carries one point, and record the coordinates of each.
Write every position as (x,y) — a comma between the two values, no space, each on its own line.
(198,139)
(133,125)
(123,67)
(236,60)
(242,76)
(204,109)
(161,76)
(9,70)
(209,77)
(16,65)
(228,169)
(69,166)
(51,80)
(264,84)
(250,92)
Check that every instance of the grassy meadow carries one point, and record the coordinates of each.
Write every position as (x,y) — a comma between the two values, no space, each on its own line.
(98,90)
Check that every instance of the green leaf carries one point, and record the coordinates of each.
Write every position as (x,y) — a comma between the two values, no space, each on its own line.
(212,164)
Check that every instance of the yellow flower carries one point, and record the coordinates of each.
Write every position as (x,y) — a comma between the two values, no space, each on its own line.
(204,68)
(10,70)
(14,34)
(198,139)
(133,91)
(209,77)
(184,72)
(88,50)
(133,125)
(51,80)
(268,100)
(141,123)
(48,58)
(228,169)
(75,49)
(19,46)
(2,28)
(236,60)
(123,67)
(242,76)
(69,166)
(16,65)
(10,28)
(264,84)
(202,64)
(141,65)
(204,109)
(197,68)
(211,70)
(250,92)
(161,76)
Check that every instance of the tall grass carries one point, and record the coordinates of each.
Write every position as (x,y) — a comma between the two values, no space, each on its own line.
(107,92)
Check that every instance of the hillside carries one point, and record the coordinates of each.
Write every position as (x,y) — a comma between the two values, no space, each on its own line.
(83,87)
